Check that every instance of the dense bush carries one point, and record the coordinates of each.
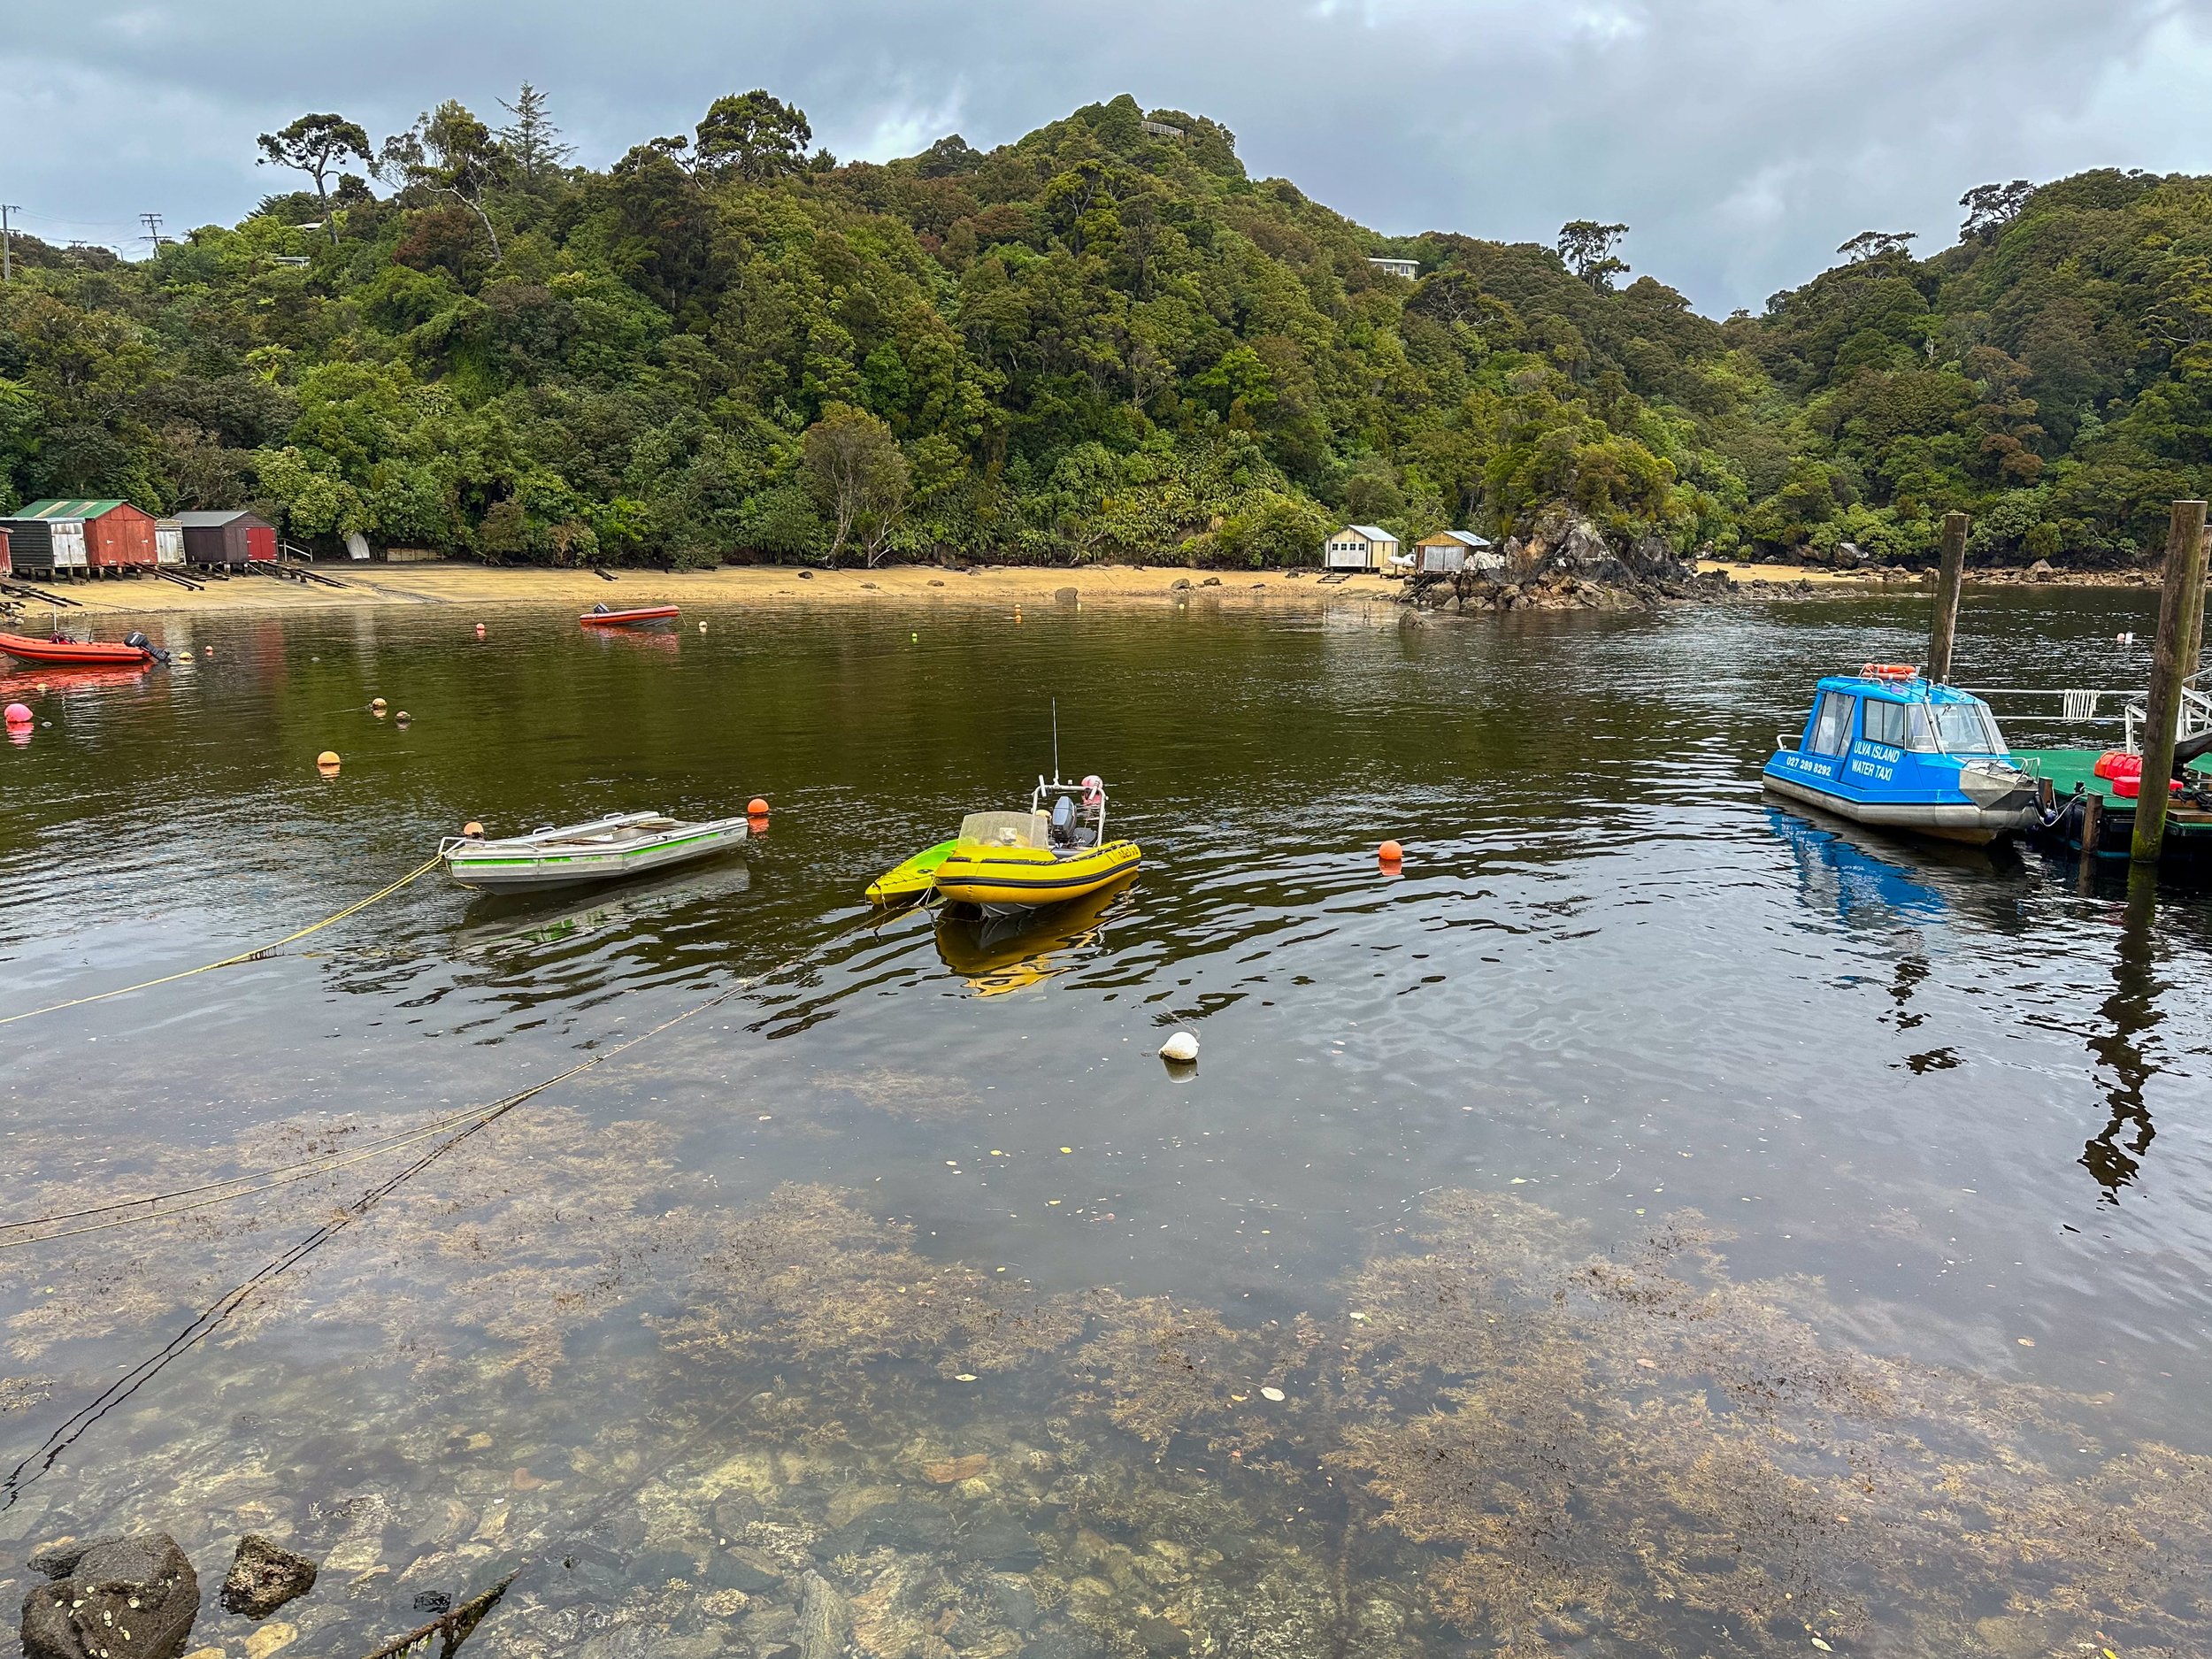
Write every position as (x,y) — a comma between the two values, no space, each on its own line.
(1103,342)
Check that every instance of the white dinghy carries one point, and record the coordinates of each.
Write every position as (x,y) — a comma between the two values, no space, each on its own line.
(627,844)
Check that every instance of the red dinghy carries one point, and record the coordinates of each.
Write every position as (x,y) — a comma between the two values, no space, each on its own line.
(600,617)
(65,653)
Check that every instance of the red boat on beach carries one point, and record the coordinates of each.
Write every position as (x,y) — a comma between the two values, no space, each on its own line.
(600,617)
(59,653)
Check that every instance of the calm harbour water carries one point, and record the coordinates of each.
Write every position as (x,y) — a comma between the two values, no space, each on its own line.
(1674,1227)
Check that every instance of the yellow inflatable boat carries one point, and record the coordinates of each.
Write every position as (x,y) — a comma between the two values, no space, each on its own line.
(1003,862)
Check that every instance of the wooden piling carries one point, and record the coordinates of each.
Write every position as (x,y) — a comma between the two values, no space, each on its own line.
(2173,659)
(2092,832)
(1950,573)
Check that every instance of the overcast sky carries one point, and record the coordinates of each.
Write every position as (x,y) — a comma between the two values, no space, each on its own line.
(1742,139)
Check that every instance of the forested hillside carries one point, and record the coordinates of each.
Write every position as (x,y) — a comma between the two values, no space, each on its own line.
(1103,342)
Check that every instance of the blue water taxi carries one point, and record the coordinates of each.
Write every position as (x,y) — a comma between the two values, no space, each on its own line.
(1885,746)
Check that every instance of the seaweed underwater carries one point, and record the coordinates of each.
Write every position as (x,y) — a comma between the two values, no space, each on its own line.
(701,1430)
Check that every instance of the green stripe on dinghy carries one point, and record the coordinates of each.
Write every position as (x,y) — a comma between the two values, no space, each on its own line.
(917,874)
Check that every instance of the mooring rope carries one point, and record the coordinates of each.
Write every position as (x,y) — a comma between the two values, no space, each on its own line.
(230,962)
(204,1323)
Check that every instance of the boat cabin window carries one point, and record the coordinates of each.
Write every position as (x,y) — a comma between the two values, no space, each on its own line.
(1004,829)
(1899,724)
(1969,728)
(1831,724)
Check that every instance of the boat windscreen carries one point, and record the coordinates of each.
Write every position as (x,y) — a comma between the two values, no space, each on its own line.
(1004,829)
(1968,728)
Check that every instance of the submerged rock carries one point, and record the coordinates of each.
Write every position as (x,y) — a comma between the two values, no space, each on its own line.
(826,1623)
(119,1596)
(263,1576)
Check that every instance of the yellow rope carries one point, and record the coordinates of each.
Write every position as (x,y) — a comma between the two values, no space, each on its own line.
(230,962)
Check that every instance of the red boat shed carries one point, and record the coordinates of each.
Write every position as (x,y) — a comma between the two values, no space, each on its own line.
(231,537)
(117,535)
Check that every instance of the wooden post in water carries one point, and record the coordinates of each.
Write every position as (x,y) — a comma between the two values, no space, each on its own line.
(1949,573)
(2173,659)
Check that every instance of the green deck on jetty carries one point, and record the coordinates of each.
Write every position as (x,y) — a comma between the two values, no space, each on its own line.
(2069,768)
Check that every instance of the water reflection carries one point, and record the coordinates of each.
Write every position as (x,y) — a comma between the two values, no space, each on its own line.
(2122,1044)
(997,954)
(1842,877)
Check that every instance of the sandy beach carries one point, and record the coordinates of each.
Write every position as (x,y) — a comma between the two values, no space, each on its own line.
(489,586)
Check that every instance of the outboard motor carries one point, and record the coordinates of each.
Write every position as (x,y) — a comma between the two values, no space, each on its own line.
(146,645)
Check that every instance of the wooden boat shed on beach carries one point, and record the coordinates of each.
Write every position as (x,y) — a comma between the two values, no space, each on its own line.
(234,537)
(81,533)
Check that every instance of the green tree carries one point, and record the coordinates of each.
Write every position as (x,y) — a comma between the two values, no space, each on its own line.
(1587,248)
(317,145)
(449,152)
(754,135)
(531,140)
(1876,244)
(1991,207)
(858,478)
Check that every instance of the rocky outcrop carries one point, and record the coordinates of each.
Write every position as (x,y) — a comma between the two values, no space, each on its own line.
(112,1598)
(263,1576)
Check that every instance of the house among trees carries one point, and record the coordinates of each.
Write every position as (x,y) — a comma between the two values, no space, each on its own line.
(1360,547)
(1449,551)
(1409,269)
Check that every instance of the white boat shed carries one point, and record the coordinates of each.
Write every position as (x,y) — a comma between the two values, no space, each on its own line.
(1360,547)
(1451,550)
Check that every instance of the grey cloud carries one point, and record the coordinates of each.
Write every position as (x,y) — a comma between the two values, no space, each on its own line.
(1742,139)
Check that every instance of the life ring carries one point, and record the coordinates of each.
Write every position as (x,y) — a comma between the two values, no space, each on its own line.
(1890,671)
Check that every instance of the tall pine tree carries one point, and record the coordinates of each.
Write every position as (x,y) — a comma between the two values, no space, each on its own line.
(532,141)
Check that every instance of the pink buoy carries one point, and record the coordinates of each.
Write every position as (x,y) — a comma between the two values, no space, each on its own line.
(18,714)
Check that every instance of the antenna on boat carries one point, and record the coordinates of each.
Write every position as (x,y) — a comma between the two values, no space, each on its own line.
(1056,740)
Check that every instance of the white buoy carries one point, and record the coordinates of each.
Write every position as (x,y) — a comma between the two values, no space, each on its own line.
(1182,1046)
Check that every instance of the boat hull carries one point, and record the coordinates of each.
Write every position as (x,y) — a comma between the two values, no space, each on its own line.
(911,880)
(1955,821)
(623,618)
(73,653)
(1006,880)
(526,864)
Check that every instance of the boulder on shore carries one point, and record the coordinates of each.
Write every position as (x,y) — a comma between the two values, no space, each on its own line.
(114,1596)
(263,1576)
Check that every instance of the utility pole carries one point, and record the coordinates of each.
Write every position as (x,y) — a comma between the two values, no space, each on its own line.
(1949,575)
(2173,660)
(152,222)
(7,247)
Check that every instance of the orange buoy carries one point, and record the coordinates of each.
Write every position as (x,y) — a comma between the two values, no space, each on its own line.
(327,760)
(473,828)
(480,630)
(19,714)
(756,807)
(1390,853)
